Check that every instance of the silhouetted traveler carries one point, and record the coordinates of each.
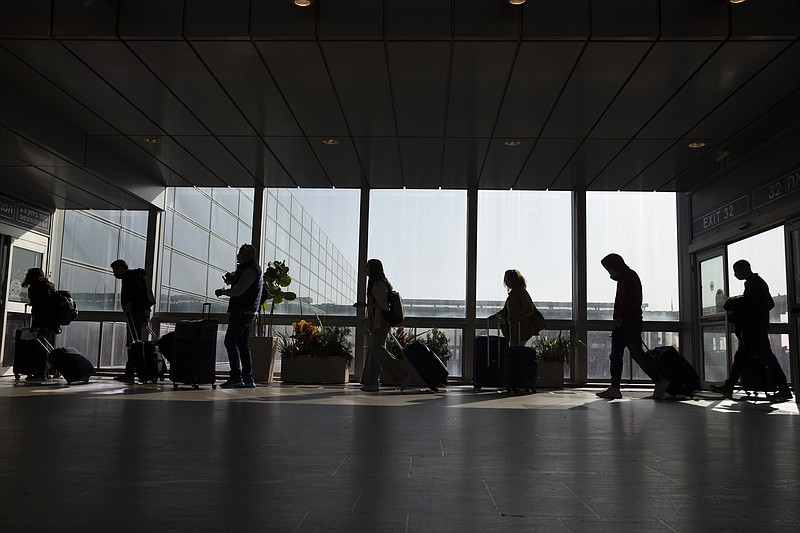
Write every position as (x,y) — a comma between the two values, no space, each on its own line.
(378,358)
(40,296)
(136,298)
(521,319)
(752,330)
(245,296)
(627,332)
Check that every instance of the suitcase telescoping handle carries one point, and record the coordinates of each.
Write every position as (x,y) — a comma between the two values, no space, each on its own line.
(489,334)
(206,313)
(131,327)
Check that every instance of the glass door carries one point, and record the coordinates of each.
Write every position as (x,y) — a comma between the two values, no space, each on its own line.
(17,257)
(794,303)
(712,292)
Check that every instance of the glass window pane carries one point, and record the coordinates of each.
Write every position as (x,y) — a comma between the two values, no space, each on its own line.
(420,236)
(766,253)
(132,248)
(188,274)
(193,204)
(228,198)
(92,290)
(712,286)
(715,353)
(193,239)
(21,261)
(100,250)
(223,223)
(642,228)
(544,256)
(222,254)
(326,212)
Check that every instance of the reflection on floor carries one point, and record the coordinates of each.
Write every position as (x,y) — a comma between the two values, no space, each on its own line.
(110,457)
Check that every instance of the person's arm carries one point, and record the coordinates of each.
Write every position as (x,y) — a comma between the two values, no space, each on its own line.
(246,280)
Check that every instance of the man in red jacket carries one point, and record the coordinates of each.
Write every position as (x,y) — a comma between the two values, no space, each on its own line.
(627,328)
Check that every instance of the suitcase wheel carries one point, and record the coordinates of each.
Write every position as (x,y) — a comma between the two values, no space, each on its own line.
(214,386)
(174,386)
(195,386)
(477,388)
(16,377)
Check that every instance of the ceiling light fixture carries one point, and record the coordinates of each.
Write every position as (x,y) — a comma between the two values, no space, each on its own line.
(697,144)
(516,2)
(152,140)
(302,3)
(736,1)
(330,141)
(512,142)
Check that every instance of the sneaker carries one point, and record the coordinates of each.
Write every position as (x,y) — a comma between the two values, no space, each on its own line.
(125,379)
(661,389)
(725,390)
(611,393)
(781,395)
(249,385)
(370,388)
(232,384)
(35,378)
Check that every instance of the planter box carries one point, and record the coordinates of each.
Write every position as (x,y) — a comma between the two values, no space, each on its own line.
(551,375)
(314,370)
(263,350)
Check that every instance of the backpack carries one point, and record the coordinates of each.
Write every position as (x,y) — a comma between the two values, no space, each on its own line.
(394,316)
(65,310)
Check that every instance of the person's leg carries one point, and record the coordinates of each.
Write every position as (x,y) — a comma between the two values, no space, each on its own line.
(372,370)
(387,362)
(617,351)
(236,324)
(244,351)
(136,320)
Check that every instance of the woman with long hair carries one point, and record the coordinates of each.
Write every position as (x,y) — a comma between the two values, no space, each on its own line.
(521,318)
(378,358)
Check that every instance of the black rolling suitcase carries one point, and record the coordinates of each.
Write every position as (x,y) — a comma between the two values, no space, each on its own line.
(520,369)
(28,353)
(71,364)
(146,357)
(488,361)
(682,377)
(429,367)
(194,351)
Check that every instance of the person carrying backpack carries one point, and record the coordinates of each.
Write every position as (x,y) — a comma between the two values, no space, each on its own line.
(41,295)
(136,298)
(378,358)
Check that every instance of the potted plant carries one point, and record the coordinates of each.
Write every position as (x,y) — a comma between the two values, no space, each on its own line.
(315,354)
(436,341)
(552,354)
(264,348)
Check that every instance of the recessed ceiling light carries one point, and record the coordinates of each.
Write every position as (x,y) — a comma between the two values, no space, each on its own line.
(512,142)
(330,141)
(516,2)
(302,3)
(736,1)
(152,140)
(697,144)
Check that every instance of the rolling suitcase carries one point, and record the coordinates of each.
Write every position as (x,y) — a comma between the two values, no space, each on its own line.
(520,369)
(682,377)
(29,353)
(488,361)
(756,376)
(429,367)
(72,365)
(147,359)
(194,351)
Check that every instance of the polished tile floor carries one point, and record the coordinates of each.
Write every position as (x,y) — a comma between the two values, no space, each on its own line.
(106,457)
